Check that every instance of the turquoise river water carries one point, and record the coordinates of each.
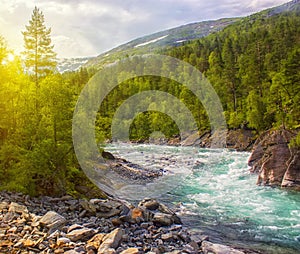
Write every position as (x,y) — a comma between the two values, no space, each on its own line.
(217,195)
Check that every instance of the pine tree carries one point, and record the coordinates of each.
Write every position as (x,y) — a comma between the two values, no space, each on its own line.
(40,57)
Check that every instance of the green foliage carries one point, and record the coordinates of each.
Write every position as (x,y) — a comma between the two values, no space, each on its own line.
(295,143)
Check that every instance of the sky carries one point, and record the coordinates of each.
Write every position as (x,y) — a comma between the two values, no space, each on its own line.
(81,28)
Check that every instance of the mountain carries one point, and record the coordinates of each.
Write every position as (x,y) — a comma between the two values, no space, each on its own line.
(168,38)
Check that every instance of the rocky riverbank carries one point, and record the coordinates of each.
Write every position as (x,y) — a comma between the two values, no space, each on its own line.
(131,171)
(240,139)
(68,225)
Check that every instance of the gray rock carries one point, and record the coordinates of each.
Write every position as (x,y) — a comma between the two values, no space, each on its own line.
(111,240)
(88,206)
(80,234)
(73,227)
(162,219)
(52,220)
(3,206)
(62,240)
(213,248)
(167,236)
(149,203)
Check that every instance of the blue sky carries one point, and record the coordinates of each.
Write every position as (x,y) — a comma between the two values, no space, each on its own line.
(90,27)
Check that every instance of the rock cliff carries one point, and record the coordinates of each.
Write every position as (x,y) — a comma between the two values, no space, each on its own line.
(273,160)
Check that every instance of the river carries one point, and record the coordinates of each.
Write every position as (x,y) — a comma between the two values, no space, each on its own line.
(218,196)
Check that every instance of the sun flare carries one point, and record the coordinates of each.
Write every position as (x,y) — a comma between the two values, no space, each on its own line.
(10,57)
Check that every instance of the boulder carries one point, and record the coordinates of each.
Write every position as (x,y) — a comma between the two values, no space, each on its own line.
(213,248)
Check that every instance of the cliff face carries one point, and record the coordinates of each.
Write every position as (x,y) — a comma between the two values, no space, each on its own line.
(291,177)
(273,160)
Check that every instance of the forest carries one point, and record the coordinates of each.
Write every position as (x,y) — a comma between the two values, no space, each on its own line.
(253,65)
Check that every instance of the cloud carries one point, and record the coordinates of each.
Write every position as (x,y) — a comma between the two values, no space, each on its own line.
(90,27)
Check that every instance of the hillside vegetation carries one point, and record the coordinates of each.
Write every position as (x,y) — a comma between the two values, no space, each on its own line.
(253,65)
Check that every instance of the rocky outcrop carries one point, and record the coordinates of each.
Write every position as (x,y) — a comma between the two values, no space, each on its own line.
(273,160)
(240,140)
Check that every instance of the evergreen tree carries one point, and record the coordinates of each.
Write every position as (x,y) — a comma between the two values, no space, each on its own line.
(40,57)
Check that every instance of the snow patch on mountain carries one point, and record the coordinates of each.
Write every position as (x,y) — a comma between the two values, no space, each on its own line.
(152,41)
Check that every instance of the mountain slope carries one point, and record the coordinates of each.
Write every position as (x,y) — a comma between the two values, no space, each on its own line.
(177,36)
(168,38)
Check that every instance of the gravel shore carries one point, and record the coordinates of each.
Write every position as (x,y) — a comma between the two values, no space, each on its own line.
(68,225)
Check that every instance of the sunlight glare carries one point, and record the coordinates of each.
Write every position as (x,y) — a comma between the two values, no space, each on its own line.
(10,57)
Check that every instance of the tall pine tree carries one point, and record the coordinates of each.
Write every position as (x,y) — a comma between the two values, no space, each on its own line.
(40,57)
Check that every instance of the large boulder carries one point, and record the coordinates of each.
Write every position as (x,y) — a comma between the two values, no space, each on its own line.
(272,159)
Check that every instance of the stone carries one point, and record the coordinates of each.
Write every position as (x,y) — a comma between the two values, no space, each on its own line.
(107,155)
(163,219)
(113,212)
(167,236)
(95,241)
(16,208)
(88,206)
(136,213)
(80,234)
(149,203)
(213,248)
(111,241)
(116,222)
(3,206)
(52,220)
(71,252)
(73,227)
(130,251)
(62,241)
